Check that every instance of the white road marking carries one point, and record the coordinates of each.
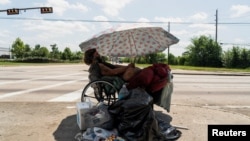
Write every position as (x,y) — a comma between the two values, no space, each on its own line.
(67,97)
(21,81)
(73,96)
(37,89)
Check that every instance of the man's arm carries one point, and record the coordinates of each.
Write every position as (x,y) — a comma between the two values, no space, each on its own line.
(106,71)
(129,65)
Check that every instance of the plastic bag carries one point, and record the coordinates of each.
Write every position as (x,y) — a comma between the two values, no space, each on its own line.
(98,117)
(99,134)
(135,118)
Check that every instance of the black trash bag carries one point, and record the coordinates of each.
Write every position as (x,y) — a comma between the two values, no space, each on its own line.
(134,117)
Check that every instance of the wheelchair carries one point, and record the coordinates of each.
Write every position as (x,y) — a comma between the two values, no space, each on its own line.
(106,92)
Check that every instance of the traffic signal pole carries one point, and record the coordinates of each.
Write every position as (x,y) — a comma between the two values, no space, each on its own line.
(15,11)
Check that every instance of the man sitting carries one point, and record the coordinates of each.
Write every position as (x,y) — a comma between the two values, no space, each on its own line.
(99,68)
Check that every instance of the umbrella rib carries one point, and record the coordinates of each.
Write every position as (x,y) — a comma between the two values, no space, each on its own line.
(133,40)
(113,44)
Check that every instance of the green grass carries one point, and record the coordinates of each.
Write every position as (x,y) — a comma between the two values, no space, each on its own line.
(209,69)
(9,64)
(16,64)
(200,68)
(139,65)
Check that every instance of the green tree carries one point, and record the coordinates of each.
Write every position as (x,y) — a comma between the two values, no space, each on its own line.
(27,51)
(44,52)
(155,58)
(161,57)
(172,59)
(235,57)
(55,53)
(78,55)
(227,59)
(18,48)
(35,51)
(67,54)
(244,58)
(151,58)
(182,60)
(204,51)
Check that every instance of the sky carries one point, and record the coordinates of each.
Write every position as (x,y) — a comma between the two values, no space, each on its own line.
(75,21)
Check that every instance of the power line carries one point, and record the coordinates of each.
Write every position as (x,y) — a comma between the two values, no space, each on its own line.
(94,21)
(236,44)
(4,48)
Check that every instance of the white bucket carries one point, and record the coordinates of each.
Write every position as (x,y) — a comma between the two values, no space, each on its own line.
(82,108)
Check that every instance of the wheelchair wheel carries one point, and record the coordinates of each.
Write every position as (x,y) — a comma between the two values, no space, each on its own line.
(102,91)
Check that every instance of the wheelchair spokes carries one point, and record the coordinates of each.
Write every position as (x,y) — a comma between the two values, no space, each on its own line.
(102,91)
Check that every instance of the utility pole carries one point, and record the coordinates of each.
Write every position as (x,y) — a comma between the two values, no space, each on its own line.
(216,25)
(168,46)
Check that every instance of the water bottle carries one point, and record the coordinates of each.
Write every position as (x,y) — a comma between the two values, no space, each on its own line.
(123,93)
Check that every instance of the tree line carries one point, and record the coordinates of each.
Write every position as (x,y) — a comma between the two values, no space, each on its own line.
(203,51)
(206,52)
(23,52)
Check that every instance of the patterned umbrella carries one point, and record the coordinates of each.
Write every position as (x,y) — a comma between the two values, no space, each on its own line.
(130,42)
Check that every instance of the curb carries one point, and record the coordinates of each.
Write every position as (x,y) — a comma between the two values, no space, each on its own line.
(187,72)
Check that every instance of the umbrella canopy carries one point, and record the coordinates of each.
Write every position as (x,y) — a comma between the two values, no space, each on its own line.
(130,42)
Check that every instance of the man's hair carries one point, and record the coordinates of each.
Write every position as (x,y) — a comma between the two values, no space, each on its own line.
(89,56)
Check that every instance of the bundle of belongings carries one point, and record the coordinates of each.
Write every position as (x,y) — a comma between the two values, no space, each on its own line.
(152,78)
(155,79)
(131,118)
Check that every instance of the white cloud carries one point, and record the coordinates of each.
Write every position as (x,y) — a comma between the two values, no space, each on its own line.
(57,28)
(143,20)
(204,32)
(179,48)
(4,36)
(202,29)
(5,2)
(49,32)
(203,26)
(60,6)
(3,33)
(239,40)
(239,10)
(180,32)
(171,19)
(46,33)
(104,25)
(199,16)
(112,7)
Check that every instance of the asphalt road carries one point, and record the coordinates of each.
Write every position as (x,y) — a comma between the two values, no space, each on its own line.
(38,102)
(231,92)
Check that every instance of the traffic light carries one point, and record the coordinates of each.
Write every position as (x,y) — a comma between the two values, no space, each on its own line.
(12,11)
(45,10)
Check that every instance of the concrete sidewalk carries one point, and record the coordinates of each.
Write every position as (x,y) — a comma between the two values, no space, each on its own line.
(193,121)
